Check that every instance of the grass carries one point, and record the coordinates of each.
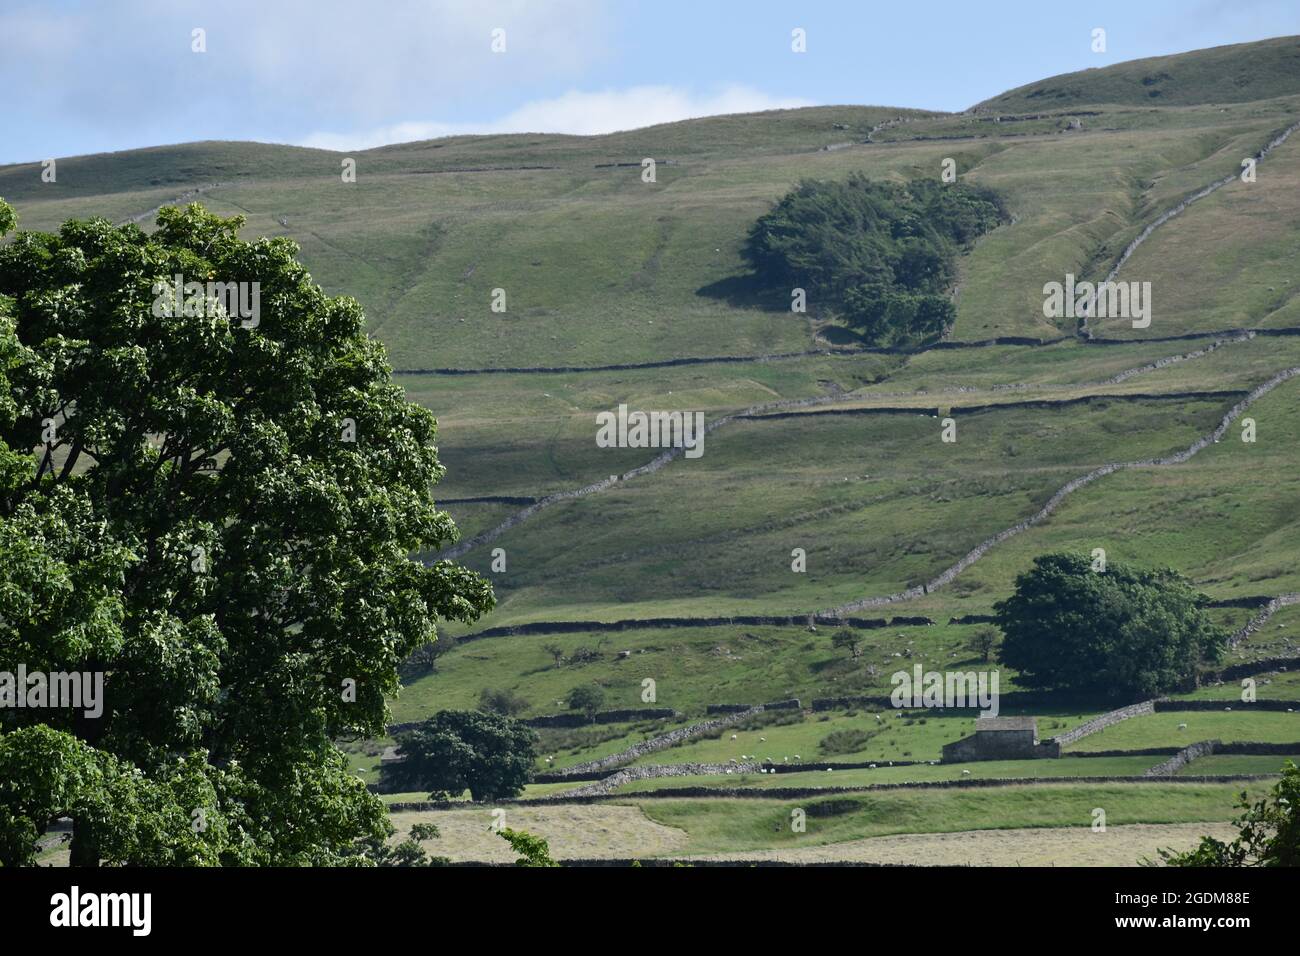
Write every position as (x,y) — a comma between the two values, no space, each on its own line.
(1204,76)
(924,773)
(1162,729)
(734,825)
(895,735)
(1237,763)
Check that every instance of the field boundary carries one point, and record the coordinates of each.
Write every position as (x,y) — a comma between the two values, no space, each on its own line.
(756,412)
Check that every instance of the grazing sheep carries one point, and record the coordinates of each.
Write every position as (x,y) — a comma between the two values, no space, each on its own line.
(733,736)
(1182,726)
(965,773)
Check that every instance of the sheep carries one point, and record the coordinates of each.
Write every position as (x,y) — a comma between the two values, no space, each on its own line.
(1182,726)
(733,736)
(965,773)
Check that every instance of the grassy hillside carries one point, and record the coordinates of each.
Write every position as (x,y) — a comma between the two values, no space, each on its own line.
(1223,74)
(621,291)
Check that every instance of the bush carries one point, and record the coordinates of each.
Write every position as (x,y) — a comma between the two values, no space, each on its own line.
(848,741)
(504,702)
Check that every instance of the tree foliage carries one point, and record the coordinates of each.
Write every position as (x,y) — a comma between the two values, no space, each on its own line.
(1124,632)
(219,517)
(532,850)
(849,640)
(1270,831)
(881,255)
(489,755)
(588,698)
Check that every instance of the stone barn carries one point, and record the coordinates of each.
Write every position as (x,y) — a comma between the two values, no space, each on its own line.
(1000,738)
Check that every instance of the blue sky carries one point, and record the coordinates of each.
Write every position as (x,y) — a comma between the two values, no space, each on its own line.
(80,77)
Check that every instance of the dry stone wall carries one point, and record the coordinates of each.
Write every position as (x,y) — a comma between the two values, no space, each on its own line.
(1104,721)
(1181,759)
(669,739)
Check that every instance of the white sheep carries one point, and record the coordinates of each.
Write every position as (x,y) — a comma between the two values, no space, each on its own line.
(1182,726)
(965,773)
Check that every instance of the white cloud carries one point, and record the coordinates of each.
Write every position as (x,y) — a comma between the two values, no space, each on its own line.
(577,112)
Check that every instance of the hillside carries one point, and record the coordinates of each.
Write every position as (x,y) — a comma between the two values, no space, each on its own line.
(622,291)
(1237,73)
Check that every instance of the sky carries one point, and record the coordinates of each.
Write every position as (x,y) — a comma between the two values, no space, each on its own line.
(86,76)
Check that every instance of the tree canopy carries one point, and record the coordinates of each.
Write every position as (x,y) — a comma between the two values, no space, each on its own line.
(879,254)
(1125,632)
(489,755)
(217,515)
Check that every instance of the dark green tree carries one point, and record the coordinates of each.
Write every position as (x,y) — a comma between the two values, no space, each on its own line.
(1123,633)
(588,698)
(881,255)
(455,750)
(985,642)
(218,514)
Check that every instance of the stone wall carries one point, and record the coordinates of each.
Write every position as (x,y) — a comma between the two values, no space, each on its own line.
(1174,706)
(1251,668)
(1261,618)
(1181,759)
(1104,721)
(789,704)
(669,739)
(604,717)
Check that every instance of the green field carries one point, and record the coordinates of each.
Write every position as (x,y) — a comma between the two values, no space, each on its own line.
(924,773)
(1162,730)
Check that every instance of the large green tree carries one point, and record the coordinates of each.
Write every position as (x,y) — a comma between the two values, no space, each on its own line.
(218,514)
(489,755)
(1125,632)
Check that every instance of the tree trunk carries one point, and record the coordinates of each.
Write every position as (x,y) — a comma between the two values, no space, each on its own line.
(84,851)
